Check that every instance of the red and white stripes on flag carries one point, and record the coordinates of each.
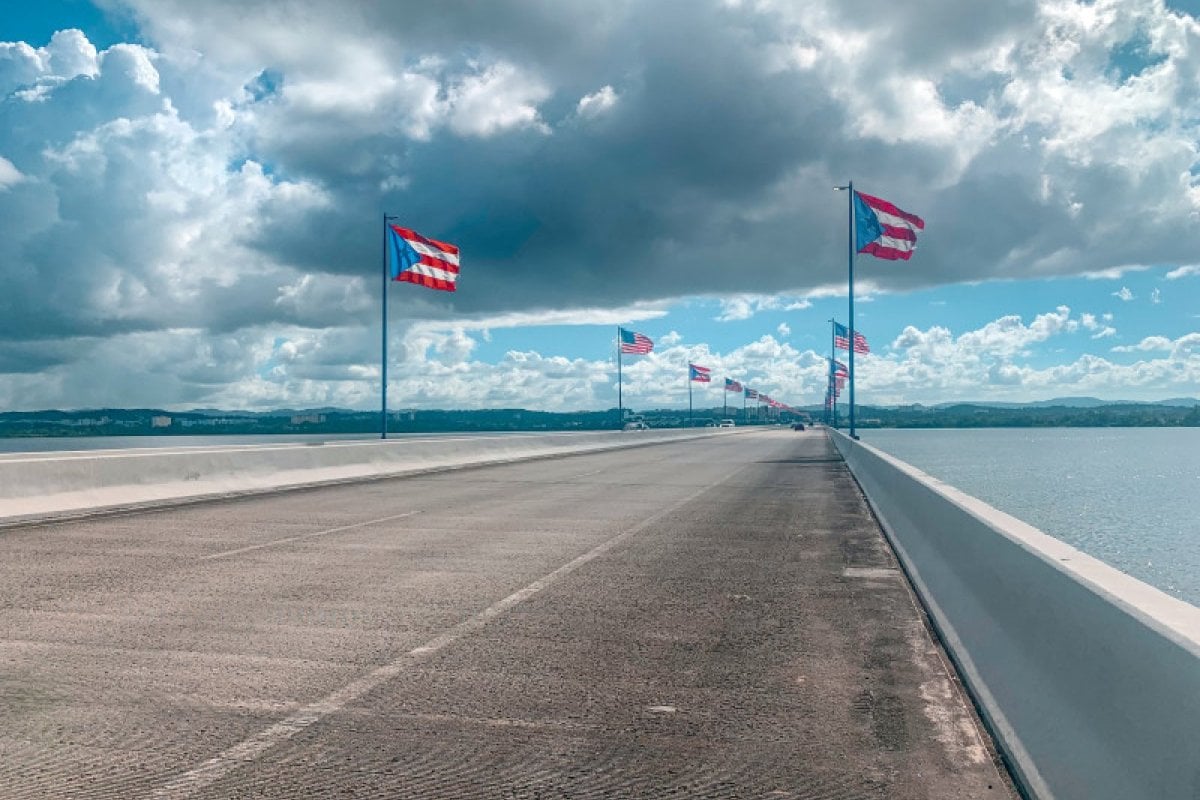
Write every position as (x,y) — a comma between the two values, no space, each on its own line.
(883,230)
(423,261)
(841,339)
(634,343)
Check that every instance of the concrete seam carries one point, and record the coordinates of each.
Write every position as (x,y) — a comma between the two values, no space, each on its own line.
(304,536)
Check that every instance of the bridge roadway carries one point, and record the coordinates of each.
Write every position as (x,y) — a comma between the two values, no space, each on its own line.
(703,619)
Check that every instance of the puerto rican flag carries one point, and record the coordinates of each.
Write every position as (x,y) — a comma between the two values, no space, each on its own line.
(883,230)
(426,262)
(699,373)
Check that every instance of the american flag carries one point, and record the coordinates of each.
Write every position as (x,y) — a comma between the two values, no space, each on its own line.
(425,262)
(841,339)
(839,369)
(751,394)
(732,386)
(636,343)
(699,373)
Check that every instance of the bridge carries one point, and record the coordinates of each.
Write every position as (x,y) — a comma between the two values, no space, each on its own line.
(701,617)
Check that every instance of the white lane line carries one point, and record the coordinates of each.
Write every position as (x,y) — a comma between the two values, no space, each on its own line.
(249,750)
(303,536)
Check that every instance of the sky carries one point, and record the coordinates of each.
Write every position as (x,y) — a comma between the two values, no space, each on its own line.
(191,199)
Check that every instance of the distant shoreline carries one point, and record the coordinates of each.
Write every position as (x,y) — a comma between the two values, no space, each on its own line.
(1083,413)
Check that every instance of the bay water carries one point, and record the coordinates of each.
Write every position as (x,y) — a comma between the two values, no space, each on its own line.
(1128,496)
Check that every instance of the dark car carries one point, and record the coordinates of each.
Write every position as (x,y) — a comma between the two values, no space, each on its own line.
(797,426)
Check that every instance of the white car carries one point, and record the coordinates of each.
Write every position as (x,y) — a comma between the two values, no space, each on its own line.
(728,423)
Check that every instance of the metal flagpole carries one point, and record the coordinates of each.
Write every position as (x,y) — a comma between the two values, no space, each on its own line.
(384,338)
(725,403)
(689,379)
(850,257)
(849,188)
(745,419)
(620,399)
(832,377)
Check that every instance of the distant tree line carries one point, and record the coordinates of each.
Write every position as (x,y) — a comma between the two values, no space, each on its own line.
(138,422)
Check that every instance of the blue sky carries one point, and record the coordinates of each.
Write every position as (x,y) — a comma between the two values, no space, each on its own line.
(220,168)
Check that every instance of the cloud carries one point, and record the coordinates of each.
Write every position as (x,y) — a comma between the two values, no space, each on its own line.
(745,306)
(595,104)
(1149,343)
(1123,294)
(784,330)
(935,365)
(498,98)
(1099,331)
(1183,272)
(9,175)
(1156,296)
(1113,273)
(222,174)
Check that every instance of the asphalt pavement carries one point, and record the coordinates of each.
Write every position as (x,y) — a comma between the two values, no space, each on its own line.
(704,619)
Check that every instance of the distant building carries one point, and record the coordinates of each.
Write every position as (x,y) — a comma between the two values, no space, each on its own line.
(160,422)
(87,422)
(308,419)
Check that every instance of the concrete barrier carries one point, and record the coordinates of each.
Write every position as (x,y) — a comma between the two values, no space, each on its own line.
(33,485)
(1089,678)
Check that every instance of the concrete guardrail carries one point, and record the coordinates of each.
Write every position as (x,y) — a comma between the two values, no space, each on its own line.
(1089,678)
(34,485)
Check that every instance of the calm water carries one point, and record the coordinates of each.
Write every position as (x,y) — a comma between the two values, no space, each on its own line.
(1128,496)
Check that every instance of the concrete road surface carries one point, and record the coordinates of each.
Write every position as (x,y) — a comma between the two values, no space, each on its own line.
(716,618)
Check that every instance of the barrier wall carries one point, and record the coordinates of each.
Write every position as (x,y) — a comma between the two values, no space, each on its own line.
(38,484)
(1089,678)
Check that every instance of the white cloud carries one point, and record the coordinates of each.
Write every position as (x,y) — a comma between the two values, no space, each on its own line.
(1123,294)
(638,312)
(9,174)
(1113,273)
(1149,343)
(745,306)
(498,98)
(597,103)
(1156,296)
(1183,272)
(784,330)
(1099,331)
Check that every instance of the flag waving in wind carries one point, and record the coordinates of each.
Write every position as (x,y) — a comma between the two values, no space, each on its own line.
(732,386)
(699,373)
(841,339)
(426,262)
(635,343)
(883,230)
